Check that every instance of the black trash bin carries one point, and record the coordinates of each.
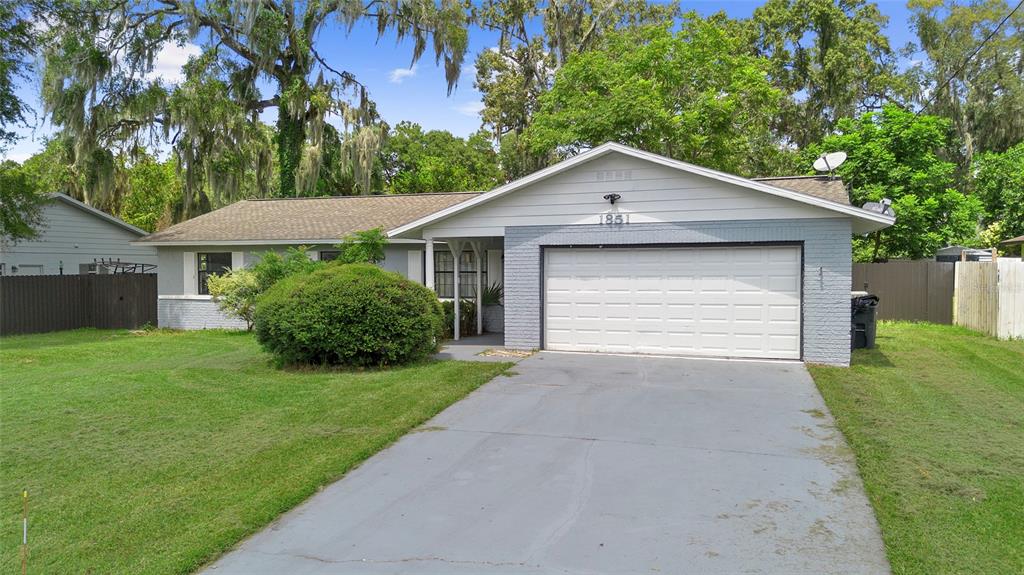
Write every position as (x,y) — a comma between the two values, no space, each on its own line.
(862,330)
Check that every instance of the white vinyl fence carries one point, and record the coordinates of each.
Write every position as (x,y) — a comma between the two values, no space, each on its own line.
(989,297)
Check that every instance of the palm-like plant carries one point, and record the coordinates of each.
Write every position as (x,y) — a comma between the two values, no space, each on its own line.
(493,294)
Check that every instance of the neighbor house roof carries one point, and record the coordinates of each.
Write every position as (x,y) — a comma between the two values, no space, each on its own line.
(864,220)
(1013,241)
(68,200)
(825,187)
(312,220)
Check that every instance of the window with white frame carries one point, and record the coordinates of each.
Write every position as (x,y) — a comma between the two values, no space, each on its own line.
(444,274)
(211,263)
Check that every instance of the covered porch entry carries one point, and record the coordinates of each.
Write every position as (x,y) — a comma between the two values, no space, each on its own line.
(467,269)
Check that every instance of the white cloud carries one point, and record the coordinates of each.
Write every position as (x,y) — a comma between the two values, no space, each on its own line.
(398,75)
(168,63)
(471,108)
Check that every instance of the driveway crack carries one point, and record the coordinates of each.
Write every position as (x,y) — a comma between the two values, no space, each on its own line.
(630,442)
(422,558)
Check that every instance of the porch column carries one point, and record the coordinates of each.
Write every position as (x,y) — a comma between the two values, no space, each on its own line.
(456,248)
(428,265)
(478,257)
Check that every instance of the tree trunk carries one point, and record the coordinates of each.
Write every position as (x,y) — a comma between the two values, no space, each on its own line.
(291,135)
(878,246)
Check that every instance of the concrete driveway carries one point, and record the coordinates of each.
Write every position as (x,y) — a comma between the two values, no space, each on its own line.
(597,464)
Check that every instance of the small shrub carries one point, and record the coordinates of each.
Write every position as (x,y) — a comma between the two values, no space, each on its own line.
(273,266)
(352,314)
(235,293)
(467,318)
(365,247)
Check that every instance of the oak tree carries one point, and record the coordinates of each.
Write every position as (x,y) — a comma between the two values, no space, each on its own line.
(99,89)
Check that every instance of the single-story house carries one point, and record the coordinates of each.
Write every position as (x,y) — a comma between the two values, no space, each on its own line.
(962,253)
(1017,241)
(75,238)
(613,250)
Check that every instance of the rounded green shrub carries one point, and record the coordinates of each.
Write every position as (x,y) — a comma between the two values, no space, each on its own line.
(352,314)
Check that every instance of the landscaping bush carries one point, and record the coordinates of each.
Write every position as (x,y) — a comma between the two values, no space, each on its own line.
(354,314)
(467,318)
(237,291)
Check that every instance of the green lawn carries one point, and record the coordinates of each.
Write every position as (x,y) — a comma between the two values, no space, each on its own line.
(935,415)
(155,452)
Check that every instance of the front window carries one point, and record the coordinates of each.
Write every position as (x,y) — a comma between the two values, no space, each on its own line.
(444,274)
(212,264)
(329,255)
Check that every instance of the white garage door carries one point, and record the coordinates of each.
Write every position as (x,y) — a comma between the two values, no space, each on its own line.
(728,301)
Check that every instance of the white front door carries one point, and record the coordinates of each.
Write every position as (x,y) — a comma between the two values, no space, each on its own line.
(712,301)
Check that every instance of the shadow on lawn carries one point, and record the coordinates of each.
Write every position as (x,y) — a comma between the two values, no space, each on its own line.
(874,357)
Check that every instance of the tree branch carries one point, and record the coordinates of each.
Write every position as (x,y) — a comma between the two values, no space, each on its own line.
(261,105)
(346,77)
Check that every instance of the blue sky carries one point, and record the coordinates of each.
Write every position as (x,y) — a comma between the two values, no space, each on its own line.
(419,93)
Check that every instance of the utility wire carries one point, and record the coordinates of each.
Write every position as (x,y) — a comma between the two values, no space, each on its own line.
(969,58)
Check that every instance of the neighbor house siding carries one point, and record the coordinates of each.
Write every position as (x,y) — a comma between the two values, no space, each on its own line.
(74,237)
(826,273)
(649,193)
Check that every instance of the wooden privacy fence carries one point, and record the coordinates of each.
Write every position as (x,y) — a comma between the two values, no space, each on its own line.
(920,290)
(34,304)
(989,297)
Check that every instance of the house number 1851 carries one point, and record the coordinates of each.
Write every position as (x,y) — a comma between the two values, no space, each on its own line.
(612,219)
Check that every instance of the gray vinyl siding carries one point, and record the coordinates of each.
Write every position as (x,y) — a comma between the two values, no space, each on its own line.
(396,259)
(650,193)
(826,272)
(74,237)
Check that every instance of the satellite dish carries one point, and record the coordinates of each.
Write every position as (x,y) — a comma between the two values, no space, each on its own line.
(829,162)
(882,207)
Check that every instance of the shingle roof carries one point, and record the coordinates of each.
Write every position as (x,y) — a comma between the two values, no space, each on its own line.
(305,219)
(332,218)
(824,187)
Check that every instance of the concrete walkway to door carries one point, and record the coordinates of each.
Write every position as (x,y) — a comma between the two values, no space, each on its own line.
(581,463)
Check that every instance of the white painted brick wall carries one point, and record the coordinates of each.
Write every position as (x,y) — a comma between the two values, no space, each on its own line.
(194,314)
(826,310)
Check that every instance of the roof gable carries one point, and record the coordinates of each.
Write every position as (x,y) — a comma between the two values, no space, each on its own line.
(864,220)
(69,201)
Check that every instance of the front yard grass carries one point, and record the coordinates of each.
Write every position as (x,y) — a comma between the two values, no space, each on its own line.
(935,415)
(155,452)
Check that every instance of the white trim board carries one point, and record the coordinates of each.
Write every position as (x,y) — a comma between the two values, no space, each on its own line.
(869,221)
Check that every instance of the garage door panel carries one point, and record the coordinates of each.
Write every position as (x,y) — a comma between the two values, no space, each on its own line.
(731,301)
(784,313)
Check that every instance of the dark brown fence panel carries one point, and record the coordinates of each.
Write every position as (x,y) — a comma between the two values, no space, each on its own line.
(34,304)
(920,290)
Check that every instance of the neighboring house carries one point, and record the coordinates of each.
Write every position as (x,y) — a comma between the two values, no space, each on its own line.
(72,238)
(962,253)
(613,250)
(1017,241)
